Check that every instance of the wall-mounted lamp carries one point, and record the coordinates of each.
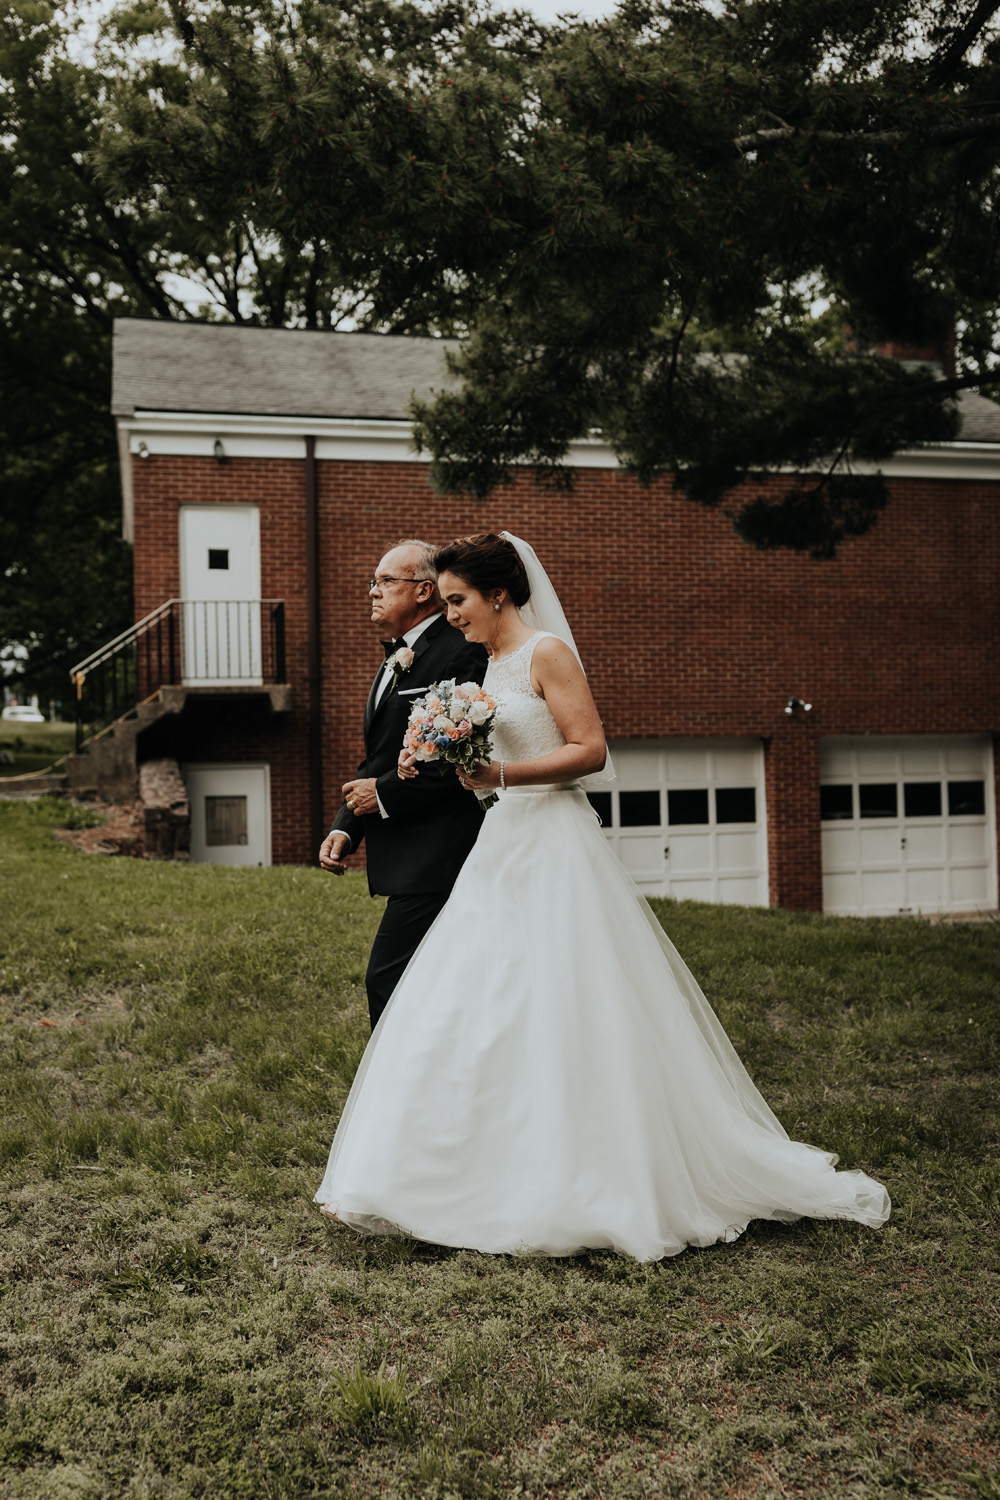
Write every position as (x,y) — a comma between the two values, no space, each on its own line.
(143,450)
(219,451)
(794,703)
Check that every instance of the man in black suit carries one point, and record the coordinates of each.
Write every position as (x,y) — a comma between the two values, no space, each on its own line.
(418,831)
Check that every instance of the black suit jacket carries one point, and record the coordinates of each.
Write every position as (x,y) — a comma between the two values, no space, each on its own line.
(432,822)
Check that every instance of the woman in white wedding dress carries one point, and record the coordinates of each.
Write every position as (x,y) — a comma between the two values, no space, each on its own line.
(548,1077)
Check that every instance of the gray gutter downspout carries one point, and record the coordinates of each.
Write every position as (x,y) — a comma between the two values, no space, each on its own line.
(314,733)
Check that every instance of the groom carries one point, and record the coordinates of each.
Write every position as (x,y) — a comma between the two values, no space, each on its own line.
(418,831)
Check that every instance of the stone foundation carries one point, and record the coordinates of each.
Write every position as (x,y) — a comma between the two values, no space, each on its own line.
(166,812)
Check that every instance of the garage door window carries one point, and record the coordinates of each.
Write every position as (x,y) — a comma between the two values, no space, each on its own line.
(601,803)
(966,799)
(836,802)
(877,801)
(639,809)
(922,799)
(688,809)
(735,804)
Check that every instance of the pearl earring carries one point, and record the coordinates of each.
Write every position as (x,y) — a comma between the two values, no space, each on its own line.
(496,605)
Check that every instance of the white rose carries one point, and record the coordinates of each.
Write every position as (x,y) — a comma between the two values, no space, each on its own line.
(479,712)
(427,752)
(442,721)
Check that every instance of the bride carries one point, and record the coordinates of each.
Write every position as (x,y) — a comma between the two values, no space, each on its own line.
(548,1076)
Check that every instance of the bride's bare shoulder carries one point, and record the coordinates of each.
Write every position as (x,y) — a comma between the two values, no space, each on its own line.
(552,658)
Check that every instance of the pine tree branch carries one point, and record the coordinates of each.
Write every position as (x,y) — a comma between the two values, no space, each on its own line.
(120,242)
(945,65)
(946,135)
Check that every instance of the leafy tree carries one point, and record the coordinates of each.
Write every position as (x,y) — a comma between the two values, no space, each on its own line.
(635,219)
(74,254)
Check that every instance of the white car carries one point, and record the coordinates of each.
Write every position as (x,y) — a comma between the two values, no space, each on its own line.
(23,714)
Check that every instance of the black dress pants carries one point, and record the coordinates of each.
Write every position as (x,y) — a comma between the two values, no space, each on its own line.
(404,922)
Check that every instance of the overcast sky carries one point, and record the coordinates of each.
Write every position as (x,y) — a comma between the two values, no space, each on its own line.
(545,10)
(549,10)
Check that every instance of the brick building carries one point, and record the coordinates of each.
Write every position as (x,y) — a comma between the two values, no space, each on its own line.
(275,465)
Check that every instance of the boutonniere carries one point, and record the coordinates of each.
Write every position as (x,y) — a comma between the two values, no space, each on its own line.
(400,661)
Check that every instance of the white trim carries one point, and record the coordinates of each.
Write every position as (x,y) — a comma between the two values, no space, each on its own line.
(385,440)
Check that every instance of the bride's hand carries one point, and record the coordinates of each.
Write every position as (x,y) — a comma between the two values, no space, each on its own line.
(485,778)
(406,766)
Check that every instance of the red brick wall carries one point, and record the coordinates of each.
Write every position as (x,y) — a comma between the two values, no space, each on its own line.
(685,630)
(161,486)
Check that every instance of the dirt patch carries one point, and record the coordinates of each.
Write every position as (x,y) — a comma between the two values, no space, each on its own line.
(120,833)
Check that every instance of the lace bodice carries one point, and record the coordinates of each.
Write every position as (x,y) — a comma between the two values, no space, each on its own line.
(524,727)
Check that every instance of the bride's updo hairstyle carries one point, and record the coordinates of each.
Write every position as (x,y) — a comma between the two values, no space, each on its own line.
(485,562)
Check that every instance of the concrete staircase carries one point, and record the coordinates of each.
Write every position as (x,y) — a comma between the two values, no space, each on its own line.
(108,767)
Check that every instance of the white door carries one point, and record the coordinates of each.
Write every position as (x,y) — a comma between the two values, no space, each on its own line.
(687,818)
(908,824)
(220,586)
(230,814)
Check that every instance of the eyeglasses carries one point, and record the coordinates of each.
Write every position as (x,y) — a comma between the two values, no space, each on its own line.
(380,583)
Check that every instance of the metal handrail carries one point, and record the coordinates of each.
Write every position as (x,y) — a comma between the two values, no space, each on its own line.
(146,623)
(132,633)
(154,653)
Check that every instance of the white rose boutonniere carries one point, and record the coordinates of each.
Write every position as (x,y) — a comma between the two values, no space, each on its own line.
(400,662)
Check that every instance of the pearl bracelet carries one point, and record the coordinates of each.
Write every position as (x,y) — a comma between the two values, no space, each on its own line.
(503,784)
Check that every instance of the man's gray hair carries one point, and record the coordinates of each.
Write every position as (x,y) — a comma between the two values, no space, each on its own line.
(425,557)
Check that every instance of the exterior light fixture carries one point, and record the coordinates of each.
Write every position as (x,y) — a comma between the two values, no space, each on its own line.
(794,703)
(143,450)
(219,451)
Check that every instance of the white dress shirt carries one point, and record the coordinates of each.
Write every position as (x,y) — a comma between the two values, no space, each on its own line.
(409,637)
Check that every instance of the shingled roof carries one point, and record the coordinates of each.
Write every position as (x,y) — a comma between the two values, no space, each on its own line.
(275,372)
(290,372)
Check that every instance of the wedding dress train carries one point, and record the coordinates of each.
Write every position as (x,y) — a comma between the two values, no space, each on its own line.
(548,1076)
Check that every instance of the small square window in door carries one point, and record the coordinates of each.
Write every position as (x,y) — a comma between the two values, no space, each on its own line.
(225,821)
(218,557)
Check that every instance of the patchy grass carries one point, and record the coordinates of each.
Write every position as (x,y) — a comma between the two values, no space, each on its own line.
(34,746)
(178,1321)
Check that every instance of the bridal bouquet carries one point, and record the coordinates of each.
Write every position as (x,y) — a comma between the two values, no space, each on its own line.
(452,725)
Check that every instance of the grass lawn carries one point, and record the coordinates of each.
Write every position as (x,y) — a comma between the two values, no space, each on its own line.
(179,1321)
(34,746)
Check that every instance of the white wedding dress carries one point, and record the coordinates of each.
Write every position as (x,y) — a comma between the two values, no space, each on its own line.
(547,1076)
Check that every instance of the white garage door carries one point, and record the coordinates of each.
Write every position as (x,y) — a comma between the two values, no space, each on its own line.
(686,818)
(908,825)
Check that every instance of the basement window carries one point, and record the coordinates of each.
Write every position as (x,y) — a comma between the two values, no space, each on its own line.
(225,821)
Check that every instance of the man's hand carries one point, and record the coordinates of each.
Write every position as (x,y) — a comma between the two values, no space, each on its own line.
(360,796)
(333,851)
